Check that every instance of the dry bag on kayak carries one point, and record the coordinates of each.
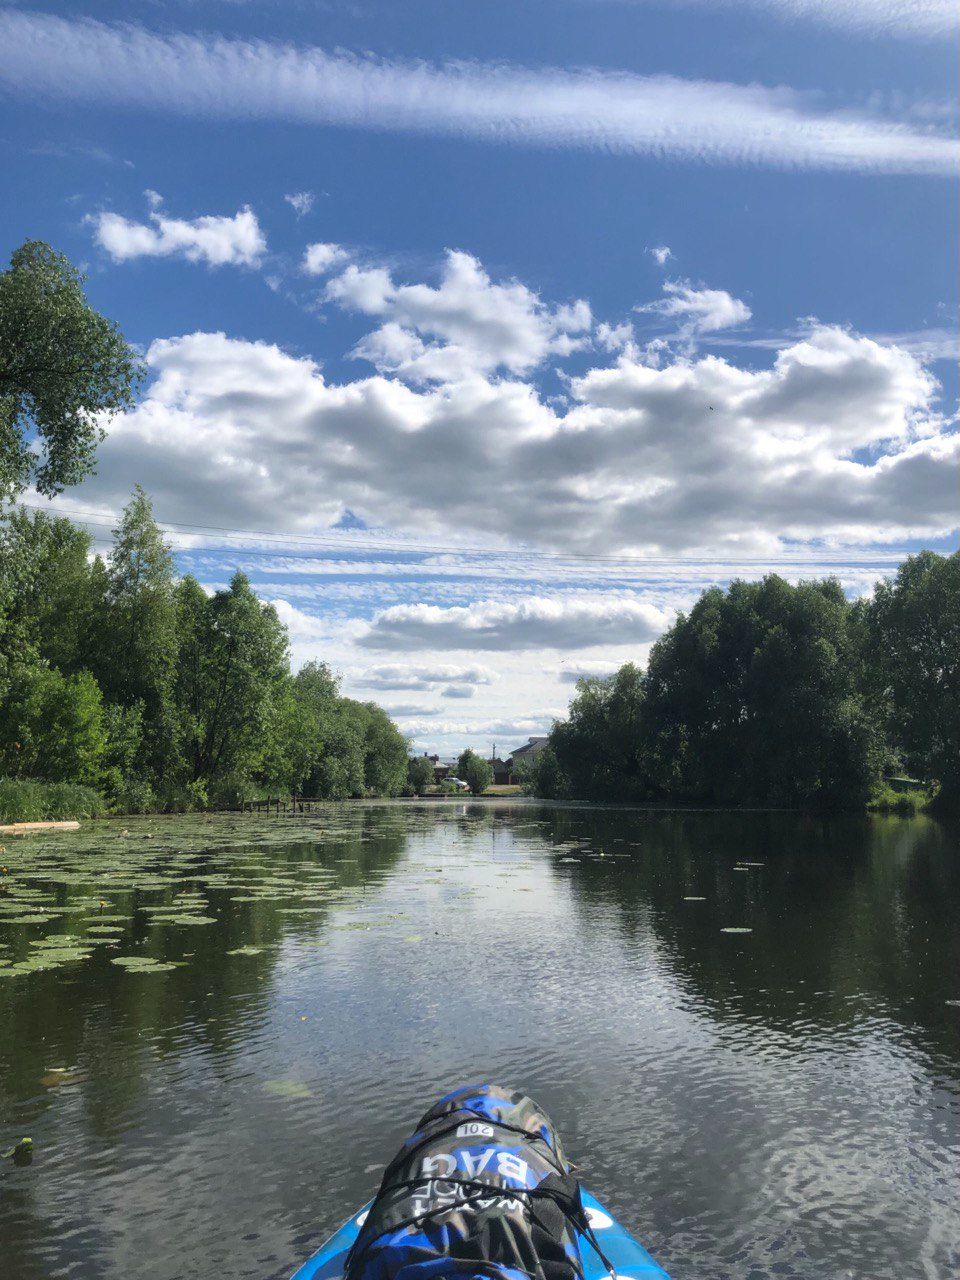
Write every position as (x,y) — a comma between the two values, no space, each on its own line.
(481,1188)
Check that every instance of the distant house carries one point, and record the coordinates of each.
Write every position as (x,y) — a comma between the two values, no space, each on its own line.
(526,755)
(502,774)
(443,769)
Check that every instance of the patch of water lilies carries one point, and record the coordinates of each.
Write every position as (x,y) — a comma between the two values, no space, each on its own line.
(143,964)
(109,888)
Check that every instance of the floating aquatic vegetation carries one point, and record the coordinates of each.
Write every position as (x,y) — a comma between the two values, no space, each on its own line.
(21,1153)
(287,1089)
(143,964)
(54,1077)
(245,951)
(103,881)
(184,919)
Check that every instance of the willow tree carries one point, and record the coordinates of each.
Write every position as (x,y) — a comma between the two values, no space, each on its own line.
(63,369)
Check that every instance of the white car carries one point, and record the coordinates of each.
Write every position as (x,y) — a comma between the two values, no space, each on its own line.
(459,783)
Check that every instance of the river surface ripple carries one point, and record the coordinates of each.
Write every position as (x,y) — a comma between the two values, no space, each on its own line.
(217,1030)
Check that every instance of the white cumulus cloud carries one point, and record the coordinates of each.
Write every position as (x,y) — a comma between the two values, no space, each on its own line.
(587,670)
(564,622)
(699,310)
(322,257)
(479,731)
(216,240)
(410,676)
(837,441)
(464,325)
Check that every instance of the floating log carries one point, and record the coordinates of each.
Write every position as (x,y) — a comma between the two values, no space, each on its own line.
(18,828)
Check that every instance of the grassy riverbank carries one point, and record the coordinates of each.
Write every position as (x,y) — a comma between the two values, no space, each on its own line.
(30,801)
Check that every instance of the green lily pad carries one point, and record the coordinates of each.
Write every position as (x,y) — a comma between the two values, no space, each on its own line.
(143,964)
(184,919)
(287,1089)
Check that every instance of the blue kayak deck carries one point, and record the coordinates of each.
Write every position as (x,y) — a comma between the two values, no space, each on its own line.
(627,1256)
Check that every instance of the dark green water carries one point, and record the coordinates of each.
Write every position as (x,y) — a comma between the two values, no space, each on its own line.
(783,1102)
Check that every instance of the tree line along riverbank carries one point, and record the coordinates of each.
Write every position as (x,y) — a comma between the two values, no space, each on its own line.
(774,694)
(126,689)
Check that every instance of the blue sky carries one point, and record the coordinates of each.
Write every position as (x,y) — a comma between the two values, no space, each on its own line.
(484,335)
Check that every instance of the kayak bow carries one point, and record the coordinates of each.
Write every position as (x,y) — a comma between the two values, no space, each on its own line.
(626,1255)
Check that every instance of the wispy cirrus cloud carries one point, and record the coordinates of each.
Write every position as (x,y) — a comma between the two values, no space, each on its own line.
(898,18)
(301,202)
(130,67)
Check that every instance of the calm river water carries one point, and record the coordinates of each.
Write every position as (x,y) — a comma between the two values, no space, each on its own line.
(217,1030)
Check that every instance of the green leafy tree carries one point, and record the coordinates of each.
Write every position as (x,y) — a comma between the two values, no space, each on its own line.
(339,767)
(912,633)
(135,657)
(199,705)
(544,777)
(51,726)
(753,699)
(316,693)
(119,779)
(476,772)
(45,590)
(420,774)
(385,753)
(242,665)
(63,368)
(598,749)
(289,743)
(190,675)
